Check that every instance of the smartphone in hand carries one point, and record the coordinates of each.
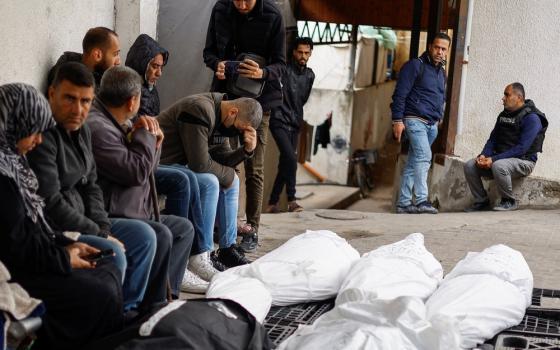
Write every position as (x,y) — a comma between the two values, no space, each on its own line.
(232,67)
(104,254)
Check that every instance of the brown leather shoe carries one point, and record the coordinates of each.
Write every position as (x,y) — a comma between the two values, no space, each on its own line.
(293,207)
(272,209)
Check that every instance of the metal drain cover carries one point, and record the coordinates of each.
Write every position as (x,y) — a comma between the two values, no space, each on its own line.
(340,215)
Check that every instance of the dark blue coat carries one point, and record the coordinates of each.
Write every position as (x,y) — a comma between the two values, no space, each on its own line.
(420,91)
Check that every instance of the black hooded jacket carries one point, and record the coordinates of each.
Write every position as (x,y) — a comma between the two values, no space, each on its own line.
(297,82)
(260,32)
(139,56)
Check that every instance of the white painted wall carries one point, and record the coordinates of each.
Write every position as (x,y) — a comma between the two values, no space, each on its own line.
(513,40)
(34,33)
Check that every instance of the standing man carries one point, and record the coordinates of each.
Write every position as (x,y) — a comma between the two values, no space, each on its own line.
(417,109)
(286,120)
(510,152)
(101,51)
(256,27)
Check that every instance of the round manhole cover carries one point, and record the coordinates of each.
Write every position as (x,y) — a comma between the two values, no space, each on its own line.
(340,215)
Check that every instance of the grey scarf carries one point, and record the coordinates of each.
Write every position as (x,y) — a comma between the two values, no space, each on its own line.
(23,112)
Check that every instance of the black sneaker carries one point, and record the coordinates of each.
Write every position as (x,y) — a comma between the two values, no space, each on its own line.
(409,209)
(239,249)
(506,205)
(249,242)
(482,206)
(230,257)
(426,208)
(216,262)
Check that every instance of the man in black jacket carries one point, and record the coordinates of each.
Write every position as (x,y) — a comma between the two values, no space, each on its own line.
(285,123)
(240,27)
(67,175)
(101,51)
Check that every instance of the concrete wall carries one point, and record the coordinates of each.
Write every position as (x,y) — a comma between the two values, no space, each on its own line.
(512,40)
(182,28)
(35,33)
(371,120)
(134,17)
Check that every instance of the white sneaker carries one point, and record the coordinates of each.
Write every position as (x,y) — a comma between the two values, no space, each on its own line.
(202,266)
(193,284)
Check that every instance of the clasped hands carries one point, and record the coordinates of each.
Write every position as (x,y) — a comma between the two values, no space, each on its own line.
(483,162)
(151,124)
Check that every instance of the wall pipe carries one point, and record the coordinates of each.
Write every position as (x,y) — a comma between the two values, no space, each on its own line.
(464,68)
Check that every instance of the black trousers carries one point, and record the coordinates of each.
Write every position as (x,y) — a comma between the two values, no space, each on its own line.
(80,307)
(286,140)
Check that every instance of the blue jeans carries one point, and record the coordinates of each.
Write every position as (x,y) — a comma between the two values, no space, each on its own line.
(220,203)
(139,240)
(415,173)
(183,198)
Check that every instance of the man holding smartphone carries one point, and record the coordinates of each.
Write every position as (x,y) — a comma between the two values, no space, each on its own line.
(249,27)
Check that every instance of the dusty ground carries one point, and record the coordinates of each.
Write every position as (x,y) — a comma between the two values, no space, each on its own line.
(369,223)
(449,236)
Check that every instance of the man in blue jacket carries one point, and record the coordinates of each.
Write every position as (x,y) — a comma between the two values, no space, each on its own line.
(510,152)
(417,108)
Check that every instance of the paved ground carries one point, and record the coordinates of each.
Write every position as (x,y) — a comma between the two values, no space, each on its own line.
(449,236)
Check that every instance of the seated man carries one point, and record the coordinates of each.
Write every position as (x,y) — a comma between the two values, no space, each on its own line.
(83,301)
(511,150)
(67,176)
(189,125)
(183,195)
(126,156)
(101,51)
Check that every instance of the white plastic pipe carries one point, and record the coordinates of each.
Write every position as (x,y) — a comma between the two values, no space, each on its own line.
(464,68)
